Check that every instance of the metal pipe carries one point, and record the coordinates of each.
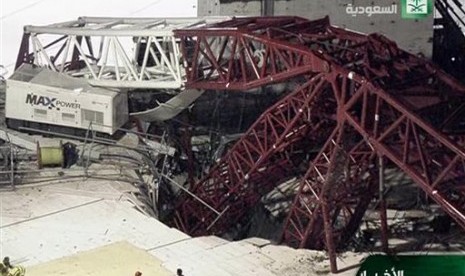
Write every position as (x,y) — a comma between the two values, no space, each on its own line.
(193,195)
(218,217)
(267,7)
(382,207)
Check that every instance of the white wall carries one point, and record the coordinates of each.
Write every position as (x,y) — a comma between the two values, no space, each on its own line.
(414,36)
(14,14)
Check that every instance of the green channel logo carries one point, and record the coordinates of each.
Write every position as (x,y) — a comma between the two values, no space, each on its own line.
(416,9)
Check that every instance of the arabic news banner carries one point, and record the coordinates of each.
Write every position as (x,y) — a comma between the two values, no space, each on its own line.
(412,265)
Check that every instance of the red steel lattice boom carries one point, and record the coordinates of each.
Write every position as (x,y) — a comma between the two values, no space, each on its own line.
(361,98)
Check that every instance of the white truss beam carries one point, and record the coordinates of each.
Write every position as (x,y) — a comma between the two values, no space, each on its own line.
(113,52)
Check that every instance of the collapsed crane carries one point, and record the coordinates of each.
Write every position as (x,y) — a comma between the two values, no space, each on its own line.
(362,99)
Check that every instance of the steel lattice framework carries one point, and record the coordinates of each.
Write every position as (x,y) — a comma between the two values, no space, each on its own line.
(361,98)
(111,52)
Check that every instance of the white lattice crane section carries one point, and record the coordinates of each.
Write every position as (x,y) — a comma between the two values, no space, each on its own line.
(111,52)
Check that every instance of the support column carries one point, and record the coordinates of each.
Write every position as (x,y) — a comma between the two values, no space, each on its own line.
(24,56)
(267,7)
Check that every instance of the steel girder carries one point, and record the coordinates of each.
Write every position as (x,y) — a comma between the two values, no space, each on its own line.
(384,102)
(338,185)
(434,160)
(412,88)
(111,52)
(258,162)
(227,59)
(240,54)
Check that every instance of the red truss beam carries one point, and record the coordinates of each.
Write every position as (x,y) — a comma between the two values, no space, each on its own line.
(385,126)
(364,98)
(434,160)
(333,198)
(239,54)
(338,183)
(238,181)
